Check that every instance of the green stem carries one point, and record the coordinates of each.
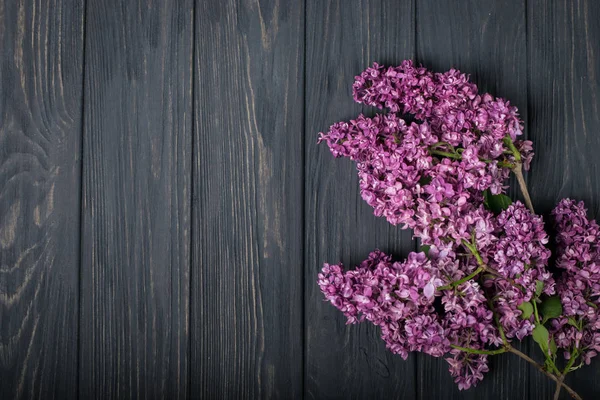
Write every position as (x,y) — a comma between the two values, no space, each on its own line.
(535,312)
(546,356)
(508,141)
(445,154)
(477,351)
(473,249)
(456,155)
(462,280)
(589,303)
(498,325)
(506,164)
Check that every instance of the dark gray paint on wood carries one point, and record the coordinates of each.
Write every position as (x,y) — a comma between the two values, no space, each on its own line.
(41,62)
(136,200)
(564,124)
(246,331)
(342,39)
(208,208)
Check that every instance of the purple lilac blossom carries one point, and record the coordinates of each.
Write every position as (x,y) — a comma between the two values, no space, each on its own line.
(451,104)
(430,176)
(399,298)
(517,252)
(406,184)
(578,329)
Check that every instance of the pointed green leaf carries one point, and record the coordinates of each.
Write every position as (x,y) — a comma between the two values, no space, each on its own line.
(553,347)
(540,335)
(496,202)
(527,309)
(426,180)
(574,323)
(539,287)
(551,308)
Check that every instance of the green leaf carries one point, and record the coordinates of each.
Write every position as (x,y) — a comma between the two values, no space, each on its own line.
(540,335)
(486,196)
(496,202)
(425,248)
(426,180)
(527,309)
(551,308)
(574,323)
(553,347)
(539,287)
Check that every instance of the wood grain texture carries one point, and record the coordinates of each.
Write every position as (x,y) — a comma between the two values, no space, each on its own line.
(486,39)
(136,200)
(41,67)
(207,208)
(564,124)
(342,39)
(247,254)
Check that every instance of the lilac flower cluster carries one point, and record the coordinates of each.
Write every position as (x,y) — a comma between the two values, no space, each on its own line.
(450,103)
(405,183)
(428,176)
(486,270)
(469,323)
(577,330)
(519,257)
(399,298)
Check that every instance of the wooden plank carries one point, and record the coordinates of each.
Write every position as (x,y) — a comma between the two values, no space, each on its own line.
(486,39)
(564,104)
(41,76)
(246,326)
(342,39)
(136,200)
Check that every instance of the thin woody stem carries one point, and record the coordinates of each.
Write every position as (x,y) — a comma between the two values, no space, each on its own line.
(478,351)
(559,384)
(508,348)
(518,171)
(456,156)
(562,376)
(548,374)
(460,281)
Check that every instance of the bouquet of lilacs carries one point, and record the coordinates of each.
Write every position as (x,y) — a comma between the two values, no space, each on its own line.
(482,279)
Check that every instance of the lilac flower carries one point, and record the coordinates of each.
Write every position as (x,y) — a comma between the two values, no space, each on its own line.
(405,182)
(482,267)
(398,297)
(578,329)
(466,368)
(447,100)
(517,253)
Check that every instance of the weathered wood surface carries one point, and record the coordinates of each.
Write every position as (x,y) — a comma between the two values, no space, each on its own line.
(165,209)
(136,201)
(246,325)
(41,98)
(342,39)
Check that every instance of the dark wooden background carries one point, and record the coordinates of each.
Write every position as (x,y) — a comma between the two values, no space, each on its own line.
(164,207)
